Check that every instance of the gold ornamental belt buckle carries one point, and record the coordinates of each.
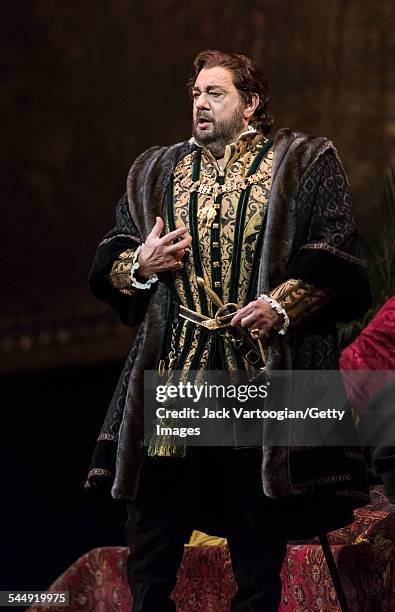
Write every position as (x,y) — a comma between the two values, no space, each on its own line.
(230,310)
(220,321)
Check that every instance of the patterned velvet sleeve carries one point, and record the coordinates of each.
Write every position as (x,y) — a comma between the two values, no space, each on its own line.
(300,299)
(119,275)
(327,268)
(109,277)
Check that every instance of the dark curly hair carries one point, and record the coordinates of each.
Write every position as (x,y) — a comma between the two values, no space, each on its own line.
(248,78)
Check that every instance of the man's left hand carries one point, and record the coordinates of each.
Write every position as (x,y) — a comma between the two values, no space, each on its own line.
(259,316)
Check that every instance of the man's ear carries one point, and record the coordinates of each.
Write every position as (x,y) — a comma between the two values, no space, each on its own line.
(251,106)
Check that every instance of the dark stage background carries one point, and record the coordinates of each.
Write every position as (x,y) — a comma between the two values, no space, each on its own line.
(86,86)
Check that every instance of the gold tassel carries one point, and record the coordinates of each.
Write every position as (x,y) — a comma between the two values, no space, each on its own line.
(166,450)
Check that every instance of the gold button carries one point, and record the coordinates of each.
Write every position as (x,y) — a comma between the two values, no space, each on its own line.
(215,225)
(217,284)
(216,264)
(215,244)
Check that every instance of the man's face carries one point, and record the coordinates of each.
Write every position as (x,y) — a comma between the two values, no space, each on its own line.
(217,109)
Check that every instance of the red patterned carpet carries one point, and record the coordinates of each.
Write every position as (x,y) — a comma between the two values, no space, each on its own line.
(364,553)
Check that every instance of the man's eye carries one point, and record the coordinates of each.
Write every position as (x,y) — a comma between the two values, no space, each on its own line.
(215,94)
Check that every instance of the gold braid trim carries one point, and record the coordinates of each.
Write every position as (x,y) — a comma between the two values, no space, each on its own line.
(234,184)
(119,276)
(300,299)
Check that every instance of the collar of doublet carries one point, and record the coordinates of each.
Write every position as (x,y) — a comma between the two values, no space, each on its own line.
(236,182)
(234,150)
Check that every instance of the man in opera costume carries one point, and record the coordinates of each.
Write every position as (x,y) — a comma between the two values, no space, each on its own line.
(266,222)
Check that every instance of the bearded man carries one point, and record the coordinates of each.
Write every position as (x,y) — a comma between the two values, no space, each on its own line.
(267,224)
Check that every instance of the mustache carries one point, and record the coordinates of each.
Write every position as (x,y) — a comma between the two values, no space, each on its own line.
(204,116)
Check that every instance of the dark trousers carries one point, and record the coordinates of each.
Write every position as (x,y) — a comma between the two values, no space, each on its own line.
(177,495)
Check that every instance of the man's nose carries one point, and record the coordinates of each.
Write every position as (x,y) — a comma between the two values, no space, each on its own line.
(201,101)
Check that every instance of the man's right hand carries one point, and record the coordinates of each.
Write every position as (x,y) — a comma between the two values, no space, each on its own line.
(161,254)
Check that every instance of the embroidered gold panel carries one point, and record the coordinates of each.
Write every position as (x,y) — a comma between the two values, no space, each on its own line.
(230,183)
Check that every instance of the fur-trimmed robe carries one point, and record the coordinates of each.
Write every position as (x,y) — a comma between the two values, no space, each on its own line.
(307,236)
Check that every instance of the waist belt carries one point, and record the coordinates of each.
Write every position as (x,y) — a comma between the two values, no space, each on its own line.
(243,342)
(220,321)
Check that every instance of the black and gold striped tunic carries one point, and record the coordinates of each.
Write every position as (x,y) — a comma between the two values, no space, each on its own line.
(223,206)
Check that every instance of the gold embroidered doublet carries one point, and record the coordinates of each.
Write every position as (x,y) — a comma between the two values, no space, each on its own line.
(223,207)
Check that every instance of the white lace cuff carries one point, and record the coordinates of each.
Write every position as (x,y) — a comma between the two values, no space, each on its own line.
(135,265)
(280,310)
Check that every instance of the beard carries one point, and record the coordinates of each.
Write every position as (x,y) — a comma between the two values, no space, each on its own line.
(221,133)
